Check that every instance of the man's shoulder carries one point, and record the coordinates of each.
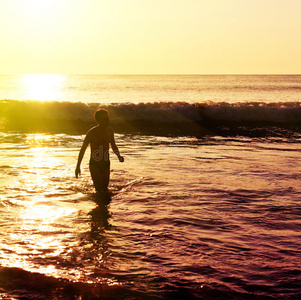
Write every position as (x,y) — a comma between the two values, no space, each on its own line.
(91,132)
(93,129)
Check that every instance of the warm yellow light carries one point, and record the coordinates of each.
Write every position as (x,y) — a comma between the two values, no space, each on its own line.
(42,86)
(38,140)
(39,215)
(38,218)
(37,6)
(150,37)
(39,9)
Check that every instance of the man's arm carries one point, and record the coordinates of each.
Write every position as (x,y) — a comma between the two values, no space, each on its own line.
(114,146)
(81,155)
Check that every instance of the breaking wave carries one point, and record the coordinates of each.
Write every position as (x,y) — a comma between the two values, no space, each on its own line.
(66,116)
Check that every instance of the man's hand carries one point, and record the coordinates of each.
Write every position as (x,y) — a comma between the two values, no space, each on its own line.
(121,158)
(77,172)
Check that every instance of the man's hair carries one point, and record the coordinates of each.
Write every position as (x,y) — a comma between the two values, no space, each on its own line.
(101,114)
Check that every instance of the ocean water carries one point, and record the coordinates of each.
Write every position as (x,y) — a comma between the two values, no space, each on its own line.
(151,88)
(205,206)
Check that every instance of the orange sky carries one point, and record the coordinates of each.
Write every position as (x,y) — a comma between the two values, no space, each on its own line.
(150,36)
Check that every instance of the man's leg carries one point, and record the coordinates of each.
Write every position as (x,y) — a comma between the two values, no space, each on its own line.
(100,178)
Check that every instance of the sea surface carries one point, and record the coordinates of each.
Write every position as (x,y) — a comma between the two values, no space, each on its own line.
(206,204)
(151,88)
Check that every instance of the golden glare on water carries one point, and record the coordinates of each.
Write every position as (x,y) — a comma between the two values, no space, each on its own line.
(38,229)
(38,157)
(42,217)
(37,139)
(42,87)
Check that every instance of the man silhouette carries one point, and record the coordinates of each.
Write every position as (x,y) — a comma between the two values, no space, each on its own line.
(99,138)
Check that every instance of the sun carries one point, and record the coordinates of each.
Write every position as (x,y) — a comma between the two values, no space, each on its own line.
(42,87)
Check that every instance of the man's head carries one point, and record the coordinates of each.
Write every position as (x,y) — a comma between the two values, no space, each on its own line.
(102,117)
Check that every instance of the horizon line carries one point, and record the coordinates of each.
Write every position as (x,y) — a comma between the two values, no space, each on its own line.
(154,74)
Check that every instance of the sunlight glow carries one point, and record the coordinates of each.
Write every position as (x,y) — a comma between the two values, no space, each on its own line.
(38,6)
(38,140)
(40,219)
(43,217)
(42,87)
(40,10)
(40,157)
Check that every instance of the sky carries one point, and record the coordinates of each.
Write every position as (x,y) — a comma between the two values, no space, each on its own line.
(150,37)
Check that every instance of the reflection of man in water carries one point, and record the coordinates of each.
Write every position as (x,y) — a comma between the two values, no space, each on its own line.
(99,138)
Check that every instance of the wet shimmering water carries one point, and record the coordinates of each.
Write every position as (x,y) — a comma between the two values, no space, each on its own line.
(213,217)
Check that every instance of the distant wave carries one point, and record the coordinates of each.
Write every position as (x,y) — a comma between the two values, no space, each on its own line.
(65,116)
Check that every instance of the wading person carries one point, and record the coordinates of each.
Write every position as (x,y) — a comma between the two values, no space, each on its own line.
(100,138)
